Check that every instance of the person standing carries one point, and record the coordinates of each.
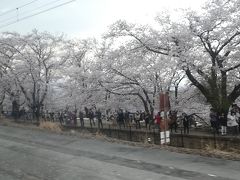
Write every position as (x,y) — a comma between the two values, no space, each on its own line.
(237,114)
(60,116)
(185,121)
(223,124)
(99,118)
(157,120)
(137,119)
(126,118)
(74,116)
(81,118)
(232,123)
(147,119)
(91,117)
(214,120)
(120,119)
(173,121)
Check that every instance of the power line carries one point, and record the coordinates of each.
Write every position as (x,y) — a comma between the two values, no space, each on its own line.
(35,14)
(26,12)
(17,8)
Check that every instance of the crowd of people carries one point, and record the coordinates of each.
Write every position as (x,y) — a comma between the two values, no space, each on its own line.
(126,118)
(223,123)
(119,118)
(174,121)
(75,117)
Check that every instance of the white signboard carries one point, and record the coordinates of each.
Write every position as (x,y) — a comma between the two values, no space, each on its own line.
(165,137)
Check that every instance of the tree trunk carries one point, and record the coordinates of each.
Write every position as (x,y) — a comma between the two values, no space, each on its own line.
(176,95)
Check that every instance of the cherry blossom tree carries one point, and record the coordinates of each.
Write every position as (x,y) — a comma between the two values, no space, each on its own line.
(33,59)
(79,83)
(138,47)
(206,45)
(130,70)
(212,63)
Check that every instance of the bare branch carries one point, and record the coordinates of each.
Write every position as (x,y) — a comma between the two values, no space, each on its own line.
(227,42)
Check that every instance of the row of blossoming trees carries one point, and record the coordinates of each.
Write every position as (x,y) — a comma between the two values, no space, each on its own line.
(196,54)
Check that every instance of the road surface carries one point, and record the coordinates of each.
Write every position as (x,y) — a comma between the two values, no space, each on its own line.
(27,154)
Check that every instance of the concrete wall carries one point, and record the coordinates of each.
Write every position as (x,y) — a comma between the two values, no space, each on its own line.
(129,135)
(125,134)
(177,140)
(205,141)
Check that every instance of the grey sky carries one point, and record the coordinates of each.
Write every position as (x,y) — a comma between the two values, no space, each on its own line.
(83,17)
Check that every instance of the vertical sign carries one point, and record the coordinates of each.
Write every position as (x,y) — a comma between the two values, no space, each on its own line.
(164,107)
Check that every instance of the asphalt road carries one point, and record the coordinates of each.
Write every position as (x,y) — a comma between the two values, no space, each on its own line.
(36,155)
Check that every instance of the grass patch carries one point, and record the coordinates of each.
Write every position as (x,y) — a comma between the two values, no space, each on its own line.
(51,126)
(231,153)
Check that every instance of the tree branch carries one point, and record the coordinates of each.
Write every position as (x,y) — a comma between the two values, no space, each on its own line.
(232,68)
(196,83)
(227,42)
(235,93)
(160,50)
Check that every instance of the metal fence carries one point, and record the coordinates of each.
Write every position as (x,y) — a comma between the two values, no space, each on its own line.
(131,131)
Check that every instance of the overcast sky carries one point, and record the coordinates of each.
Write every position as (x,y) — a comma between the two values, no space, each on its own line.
(82,17)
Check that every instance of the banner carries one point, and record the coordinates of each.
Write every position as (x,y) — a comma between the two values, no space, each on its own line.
(164,102)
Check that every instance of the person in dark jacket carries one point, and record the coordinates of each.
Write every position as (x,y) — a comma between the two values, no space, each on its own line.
(223,123)
(214,120)
(126,118)
(81,118)
(91,117)
(99,118)
(185,121)
(147,119)
(120,119)
(60,116)
(173,121)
